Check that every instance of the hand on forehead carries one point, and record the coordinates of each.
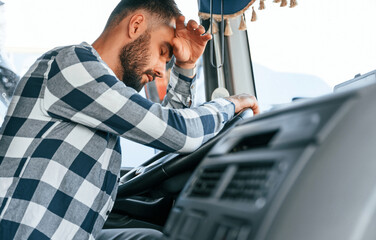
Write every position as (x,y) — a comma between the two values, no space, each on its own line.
(189,42)
(191,25)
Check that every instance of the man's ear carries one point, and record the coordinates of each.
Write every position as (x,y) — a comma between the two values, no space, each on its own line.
(137,25)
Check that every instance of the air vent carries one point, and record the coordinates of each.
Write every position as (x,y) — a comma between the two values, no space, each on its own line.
(255,141)
(250,183)
(206,182)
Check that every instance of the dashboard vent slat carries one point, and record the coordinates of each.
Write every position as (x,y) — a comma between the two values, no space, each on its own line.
(206,183)
(255,141)
(249,183)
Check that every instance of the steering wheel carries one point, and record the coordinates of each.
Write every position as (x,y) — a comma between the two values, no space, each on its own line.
(165,165)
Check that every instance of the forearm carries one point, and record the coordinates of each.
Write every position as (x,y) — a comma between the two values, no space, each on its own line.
(181,130)
(181,88)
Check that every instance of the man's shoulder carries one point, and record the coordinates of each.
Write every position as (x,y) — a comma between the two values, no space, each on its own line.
(81,57)
(82,52)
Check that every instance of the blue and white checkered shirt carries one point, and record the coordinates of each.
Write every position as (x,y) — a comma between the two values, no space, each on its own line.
(59,145)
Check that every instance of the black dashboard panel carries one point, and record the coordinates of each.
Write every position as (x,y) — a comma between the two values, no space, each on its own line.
(246,185)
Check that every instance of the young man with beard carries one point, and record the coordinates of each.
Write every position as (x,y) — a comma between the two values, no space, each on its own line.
(59,149)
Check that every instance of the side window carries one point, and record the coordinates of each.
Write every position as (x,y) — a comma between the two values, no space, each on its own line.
(24,35)
(305,51)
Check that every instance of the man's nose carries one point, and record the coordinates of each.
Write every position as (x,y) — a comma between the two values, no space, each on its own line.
(160,70)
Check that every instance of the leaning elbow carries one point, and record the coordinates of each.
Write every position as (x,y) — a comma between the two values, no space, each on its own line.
(191,145)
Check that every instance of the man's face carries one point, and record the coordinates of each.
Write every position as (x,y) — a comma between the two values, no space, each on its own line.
(145,58)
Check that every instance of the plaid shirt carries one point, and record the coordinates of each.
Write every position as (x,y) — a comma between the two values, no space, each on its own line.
(59,145)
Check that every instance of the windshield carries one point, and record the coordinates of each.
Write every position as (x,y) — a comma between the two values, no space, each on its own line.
(299,52)
(305,51)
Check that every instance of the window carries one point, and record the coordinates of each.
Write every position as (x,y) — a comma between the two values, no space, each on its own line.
(305,51)
(34,27)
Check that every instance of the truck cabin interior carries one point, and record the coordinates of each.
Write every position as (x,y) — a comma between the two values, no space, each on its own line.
(302,170)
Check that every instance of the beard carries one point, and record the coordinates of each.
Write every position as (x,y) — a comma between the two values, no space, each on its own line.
(134,59)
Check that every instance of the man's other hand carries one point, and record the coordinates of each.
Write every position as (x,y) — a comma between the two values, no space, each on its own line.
(189,42)
(244,101)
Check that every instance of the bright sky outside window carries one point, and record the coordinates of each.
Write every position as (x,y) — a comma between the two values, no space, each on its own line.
(305,51)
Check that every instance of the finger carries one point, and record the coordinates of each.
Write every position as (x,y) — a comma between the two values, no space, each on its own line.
(192,25)
(255,109)
(200,30)
(206,37)
(254,105)
(180,22)
(176,46)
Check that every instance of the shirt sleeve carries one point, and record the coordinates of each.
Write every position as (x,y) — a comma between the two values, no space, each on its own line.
(80,87)
(180,90)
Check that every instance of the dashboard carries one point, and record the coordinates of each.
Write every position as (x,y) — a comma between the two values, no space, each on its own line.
(305,171)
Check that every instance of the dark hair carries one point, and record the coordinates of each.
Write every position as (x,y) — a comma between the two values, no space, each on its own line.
(165,10)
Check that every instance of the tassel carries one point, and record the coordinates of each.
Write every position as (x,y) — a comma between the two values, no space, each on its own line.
(228,30)
(262,5)
(208,31)
(242,25)
(277,1)
(293,3)
(284,3)
(254,16)
(215,27)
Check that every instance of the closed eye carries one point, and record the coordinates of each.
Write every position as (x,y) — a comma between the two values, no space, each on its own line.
(166,50)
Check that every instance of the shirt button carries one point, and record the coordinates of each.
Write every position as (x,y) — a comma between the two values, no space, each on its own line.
(193,86)
(108,213)
(118,180)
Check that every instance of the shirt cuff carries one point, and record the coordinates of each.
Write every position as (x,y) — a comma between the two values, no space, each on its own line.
(227,106)
(186,72)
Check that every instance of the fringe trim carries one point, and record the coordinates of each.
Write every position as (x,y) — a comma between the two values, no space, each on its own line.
(217,17)
(262,5)
(208,30)
(293,3)
(243,24)
(228,30)
(215,28)
(254,16)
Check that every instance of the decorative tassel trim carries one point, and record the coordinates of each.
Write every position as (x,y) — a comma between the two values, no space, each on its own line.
(262,5)
(215,27)
(218,18)
(209,30)
(242,25)
(228,30)
(254,16)
(293,3)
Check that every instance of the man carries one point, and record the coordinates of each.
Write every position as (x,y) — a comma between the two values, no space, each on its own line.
(59,147)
